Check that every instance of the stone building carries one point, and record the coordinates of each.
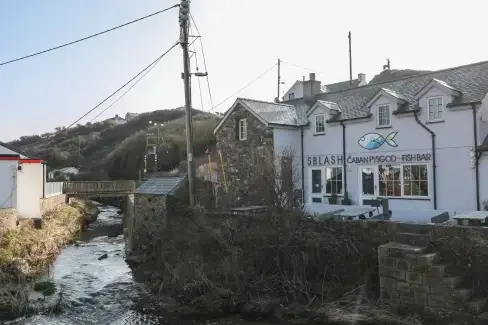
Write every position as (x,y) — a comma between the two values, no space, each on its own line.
(160,196)
(244,138)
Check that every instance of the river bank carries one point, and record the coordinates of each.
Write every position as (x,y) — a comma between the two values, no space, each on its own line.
(272,268)
(26,252)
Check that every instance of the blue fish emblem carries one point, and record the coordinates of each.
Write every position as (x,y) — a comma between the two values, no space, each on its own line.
(373,141)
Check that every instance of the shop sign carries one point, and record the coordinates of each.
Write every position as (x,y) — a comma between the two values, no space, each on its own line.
(369,159)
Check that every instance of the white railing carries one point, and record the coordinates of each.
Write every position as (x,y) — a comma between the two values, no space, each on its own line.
(53,188)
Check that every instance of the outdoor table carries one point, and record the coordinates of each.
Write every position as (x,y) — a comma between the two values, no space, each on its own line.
(353,212)
(249,209)
(472,218)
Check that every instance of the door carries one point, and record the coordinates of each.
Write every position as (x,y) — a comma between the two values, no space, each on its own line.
(368,180)
(317,177)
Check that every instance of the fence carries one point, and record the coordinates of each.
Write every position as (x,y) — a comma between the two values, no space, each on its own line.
(53,188)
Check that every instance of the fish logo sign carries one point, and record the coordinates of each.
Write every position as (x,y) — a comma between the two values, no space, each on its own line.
(372,141)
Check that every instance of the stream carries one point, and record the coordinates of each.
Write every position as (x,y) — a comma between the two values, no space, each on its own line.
(93,291)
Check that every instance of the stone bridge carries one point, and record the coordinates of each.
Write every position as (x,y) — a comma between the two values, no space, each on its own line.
(94,189)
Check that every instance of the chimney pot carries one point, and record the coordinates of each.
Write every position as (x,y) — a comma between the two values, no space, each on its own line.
(362,77)
(312,76)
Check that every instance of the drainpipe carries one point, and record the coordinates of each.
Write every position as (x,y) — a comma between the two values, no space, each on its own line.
(434,166)
(346,196)
(44,180)
(477,159)
(303,165)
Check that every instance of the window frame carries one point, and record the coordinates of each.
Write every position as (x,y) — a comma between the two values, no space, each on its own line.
(378,115)
(242,127)
(428,109)
(316,116)
(325,180)
(402,184)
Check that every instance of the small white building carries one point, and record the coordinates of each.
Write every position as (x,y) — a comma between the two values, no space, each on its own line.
(22,182)
(66,172)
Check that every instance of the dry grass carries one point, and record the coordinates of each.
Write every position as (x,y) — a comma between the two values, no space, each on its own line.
(28,251)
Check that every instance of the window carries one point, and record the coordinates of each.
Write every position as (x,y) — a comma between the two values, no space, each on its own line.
(320,123)
(390,182)
(435,109)
(383,115)
(403,180)
(415,180)
(333,180)
(291,96)
(243,129)
(287,174)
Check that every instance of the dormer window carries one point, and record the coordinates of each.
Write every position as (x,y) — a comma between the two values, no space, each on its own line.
(291,96)
(435,109)
(383,115)
(320,124)
(243,129)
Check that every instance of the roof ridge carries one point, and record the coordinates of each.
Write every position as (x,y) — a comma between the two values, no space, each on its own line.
(408,77)
(265,102)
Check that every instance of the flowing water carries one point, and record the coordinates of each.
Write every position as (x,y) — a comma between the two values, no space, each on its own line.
(89,290)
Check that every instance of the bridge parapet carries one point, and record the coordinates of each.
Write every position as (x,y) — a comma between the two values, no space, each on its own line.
(99,188)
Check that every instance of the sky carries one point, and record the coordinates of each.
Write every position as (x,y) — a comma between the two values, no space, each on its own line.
(241,40)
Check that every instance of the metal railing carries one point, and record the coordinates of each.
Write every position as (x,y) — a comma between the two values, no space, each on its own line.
(99,187)
(53,188)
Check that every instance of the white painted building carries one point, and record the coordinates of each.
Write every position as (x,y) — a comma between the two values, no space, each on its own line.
(66,172)
(418,141)
(22,182)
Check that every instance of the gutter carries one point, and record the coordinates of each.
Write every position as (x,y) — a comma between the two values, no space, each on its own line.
(303,165)
(346,196)
(434,166)
(477,158)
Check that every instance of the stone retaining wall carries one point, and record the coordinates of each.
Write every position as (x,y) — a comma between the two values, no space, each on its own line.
(53,202)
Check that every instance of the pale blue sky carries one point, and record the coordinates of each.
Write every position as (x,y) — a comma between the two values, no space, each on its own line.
(242,38)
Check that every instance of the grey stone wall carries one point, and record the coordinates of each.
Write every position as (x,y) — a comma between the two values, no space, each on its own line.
(150,218)
(238,156)
(413,277)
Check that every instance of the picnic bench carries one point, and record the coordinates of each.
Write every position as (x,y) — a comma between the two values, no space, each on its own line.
(353,212)
(472,218)
(248,210)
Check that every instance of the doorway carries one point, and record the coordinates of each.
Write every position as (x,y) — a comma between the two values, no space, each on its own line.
(368,180)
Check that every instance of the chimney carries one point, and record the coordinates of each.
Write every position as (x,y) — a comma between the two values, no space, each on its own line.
(311,87)
(362,79)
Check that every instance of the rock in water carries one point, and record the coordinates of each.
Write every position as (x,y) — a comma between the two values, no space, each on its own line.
(104,256)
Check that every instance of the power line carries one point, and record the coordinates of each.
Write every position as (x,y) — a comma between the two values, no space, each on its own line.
(88,37)
(111,95)
(301,67)
(262,75)
(204,61)
(154,64)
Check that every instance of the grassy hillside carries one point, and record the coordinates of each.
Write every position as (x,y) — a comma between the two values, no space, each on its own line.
(118,150)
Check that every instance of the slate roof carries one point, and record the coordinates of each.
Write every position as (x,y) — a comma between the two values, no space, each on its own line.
(273,113)
(338,86)
(471,80)
(161,185)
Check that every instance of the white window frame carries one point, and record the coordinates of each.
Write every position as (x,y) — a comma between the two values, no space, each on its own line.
(290,95)
(323,192)
(325,180)
(378,115)
(441,98)
(242,129)
(315,124)
(402,166)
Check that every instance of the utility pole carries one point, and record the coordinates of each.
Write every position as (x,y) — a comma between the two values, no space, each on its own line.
(184,17)
(350,59)
(79,152)
(279,80)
